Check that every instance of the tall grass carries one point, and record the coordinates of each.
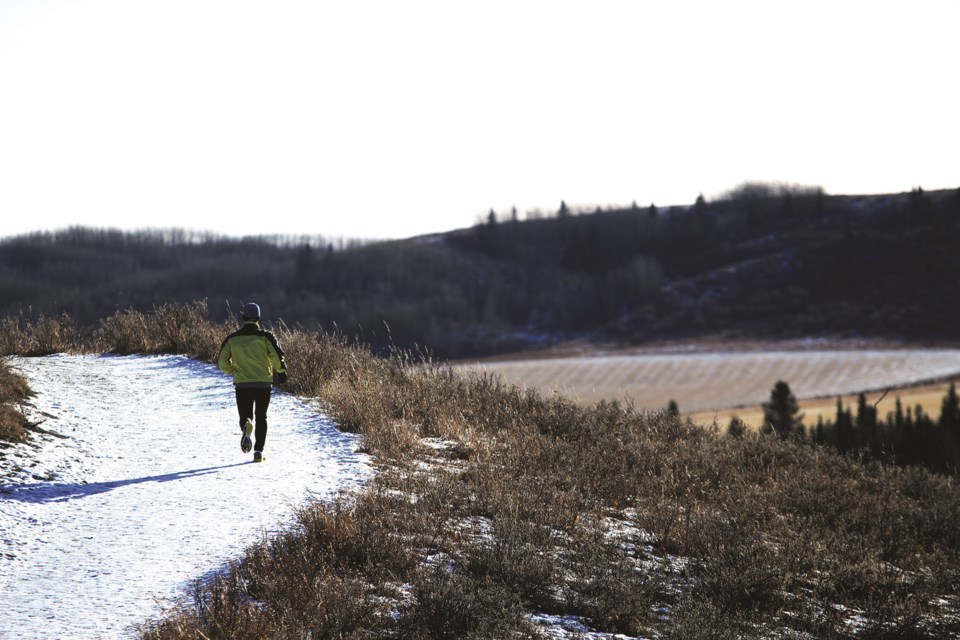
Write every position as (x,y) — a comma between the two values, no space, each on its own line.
(491,503)
(14,390)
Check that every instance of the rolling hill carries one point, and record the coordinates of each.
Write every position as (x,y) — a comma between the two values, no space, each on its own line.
(764,262)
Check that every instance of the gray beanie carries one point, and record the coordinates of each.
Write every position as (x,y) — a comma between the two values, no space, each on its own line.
(251,311)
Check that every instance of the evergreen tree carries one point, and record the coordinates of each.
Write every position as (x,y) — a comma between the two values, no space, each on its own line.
(737,427)
(950,412)
(866,424)
(820,433)
(948,427)
(845,438)
(673,409)
(926,447)
(701,204)
(782,413)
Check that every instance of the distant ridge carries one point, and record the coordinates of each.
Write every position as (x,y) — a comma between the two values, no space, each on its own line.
(760,263)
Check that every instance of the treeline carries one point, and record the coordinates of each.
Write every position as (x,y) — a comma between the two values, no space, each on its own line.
(905,436)
(761,262)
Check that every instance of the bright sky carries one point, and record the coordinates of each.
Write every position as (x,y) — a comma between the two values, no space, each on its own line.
(391,119)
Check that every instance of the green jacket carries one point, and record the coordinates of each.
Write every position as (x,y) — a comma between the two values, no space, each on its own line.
(251,355)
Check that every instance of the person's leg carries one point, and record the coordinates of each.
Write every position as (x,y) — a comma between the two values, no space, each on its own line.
(262,402)
(245,405)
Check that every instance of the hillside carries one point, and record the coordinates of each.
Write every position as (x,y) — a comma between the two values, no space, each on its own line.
(762,263)
(490,512)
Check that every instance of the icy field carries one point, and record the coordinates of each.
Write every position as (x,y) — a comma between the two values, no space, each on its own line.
(704,381)
(147,489)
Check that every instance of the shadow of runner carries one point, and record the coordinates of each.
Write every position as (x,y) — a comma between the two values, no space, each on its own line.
(61,492)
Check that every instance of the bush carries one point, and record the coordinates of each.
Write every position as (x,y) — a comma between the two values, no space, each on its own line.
(13,391)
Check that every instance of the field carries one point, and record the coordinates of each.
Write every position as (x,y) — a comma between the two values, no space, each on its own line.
(709,384)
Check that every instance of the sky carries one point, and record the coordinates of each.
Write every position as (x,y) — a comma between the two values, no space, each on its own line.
(385,119)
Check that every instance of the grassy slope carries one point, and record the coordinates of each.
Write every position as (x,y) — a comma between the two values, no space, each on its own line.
(490,503)
(535,504)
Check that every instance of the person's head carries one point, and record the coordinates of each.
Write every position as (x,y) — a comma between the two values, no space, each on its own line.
(251,311)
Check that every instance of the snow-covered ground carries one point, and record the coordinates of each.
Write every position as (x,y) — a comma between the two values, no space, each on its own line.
(144,489)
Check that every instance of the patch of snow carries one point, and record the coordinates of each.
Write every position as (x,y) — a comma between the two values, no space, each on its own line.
(570,627)
(105,527)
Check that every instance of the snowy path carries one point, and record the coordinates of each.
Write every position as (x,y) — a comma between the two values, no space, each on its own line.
(101,529)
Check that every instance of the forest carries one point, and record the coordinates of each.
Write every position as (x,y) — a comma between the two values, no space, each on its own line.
(761,262)
(906,436)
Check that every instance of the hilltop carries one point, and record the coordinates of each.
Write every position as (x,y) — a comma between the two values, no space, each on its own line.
(762,263)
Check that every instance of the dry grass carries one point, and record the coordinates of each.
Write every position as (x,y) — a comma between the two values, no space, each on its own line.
(492,502)
(13,391)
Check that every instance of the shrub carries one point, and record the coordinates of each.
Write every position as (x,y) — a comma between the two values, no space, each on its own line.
(51,335)
(447,604)
(13,391)
(125,332)
(185,328)
(14,339)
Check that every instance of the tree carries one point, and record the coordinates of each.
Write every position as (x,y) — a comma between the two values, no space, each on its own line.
(737,427)
(844,435)
(673,409)
(700,205)
(781,414)
(949,427)
(950,411)
(866,424)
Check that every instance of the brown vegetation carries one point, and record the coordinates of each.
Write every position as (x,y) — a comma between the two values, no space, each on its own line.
(13,391)
(491,503)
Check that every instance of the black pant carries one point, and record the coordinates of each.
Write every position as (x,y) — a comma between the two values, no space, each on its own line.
(246,399)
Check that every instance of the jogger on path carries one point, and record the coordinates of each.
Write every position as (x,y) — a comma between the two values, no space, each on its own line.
(252,356)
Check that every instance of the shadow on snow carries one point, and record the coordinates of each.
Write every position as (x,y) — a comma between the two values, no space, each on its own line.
(62,492)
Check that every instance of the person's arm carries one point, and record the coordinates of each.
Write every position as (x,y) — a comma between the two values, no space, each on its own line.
(276,358)
(225,358)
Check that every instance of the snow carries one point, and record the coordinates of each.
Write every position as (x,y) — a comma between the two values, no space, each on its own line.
(104,528)
(571,628)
